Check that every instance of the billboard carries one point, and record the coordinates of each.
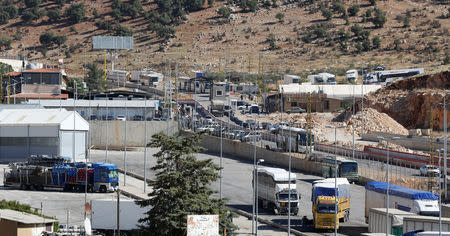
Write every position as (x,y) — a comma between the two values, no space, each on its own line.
(203,225)
(112,43)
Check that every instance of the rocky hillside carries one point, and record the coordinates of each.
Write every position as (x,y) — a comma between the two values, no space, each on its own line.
(289,36)
(409,101)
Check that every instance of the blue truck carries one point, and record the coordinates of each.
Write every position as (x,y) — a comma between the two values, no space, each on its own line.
(48,172)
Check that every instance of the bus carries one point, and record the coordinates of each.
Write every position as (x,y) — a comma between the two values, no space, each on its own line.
(346,168)
(301,141)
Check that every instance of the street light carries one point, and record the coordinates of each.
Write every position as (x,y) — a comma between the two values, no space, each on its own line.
(387,179)
(444,103)
(439,189)
(335,176)
(256,193)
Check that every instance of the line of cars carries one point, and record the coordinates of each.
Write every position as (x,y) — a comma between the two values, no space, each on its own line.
(123,118)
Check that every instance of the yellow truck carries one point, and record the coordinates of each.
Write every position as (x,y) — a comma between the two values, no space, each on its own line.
(323,202)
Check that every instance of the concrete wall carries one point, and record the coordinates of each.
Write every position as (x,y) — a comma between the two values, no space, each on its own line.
(135,132)
(416,142)
(246,151)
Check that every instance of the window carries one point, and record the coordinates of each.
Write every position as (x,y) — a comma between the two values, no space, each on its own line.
(219,93)
(294,104)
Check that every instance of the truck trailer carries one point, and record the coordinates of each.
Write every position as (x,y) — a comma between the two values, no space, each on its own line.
(324,203)
(273,190)
(402,198)
(55,172)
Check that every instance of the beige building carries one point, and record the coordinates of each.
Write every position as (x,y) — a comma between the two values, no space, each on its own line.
(16,223)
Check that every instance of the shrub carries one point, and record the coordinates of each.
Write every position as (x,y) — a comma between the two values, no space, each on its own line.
(47,39)
(30,15)
(406,22)
(115,13)
(54,15)
(5,43)
(397,45)
(366,45)
(104,25)
(32,3)
(224,12)
(327,13)
(76,12)
(272,42)
(435,24)
(120,30)
(353,10)
(376,42)
(446,60)
(372,2)
(379,19)
(339,8)
(280,17)
(4,18)
(356,29)
(11,10)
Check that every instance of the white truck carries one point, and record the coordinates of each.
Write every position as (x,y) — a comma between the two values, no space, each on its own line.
(402,198)
(322,78)
(389,76)
(352,75)
(273,190)
(104,215)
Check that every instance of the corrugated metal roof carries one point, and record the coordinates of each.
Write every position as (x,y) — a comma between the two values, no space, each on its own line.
(22,217)
(332,91)
(42,117)
(96,103)
(20,106)
(43,70)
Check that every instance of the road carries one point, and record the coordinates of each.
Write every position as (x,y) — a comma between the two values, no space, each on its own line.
(236,186)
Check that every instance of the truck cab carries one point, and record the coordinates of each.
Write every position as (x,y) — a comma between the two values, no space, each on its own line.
(106,177)
(282,205)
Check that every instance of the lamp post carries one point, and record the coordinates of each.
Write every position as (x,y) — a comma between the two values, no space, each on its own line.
(220,170)
(439,191)
(256,193)
(289,183)
(254,188)
(335,176)
(387,180)
(444,103)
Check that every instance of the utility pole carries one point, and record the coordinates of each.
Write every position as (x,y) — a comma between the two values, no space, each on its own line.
(118,212)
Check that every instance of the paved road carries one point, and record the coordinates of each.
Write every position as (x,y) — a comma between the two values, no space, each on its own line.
(237,187)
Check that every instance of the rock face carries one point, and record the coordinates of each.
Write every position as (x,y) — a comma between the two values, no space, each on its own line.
(411,101)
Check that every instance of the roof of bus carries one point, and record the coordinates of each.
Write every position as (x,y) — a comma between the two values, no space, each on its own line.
(292,129)
(277,174)
(338,158)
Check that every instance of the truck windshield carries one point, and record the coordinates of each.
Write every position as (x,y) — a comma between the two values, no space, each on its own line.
(325,208)
(349,168)
(112,174)
(285,196)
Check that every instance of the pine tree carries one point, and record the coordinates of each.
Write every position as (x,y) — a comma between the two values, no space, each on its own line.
(181,187)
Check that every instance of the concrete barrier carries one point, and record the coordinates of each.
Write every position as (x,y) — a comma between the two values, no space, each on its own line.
(246,152)
(135,132)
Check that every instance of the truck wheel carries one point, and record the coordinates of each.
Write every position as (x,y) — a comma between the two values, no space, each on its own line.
(23,186)
(102,189)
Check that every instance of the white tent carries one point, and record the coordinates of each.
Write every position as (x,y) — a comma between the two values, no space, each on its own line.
(42,132)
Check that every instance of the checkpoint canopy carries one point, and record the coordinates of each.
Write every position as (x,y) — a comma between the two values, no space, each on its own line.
(42,132)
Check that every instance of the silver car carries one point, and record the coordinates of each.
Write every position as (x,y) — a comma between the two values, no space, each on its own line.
(429,170)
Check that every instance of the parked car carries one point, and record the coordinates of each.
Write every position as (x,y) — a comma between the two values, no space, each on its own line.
(138,118)
(207,128)
(251,137)
(110,118)
(265,125)
(379,68)
(296,110)
(238,134)
(93,117)
(121,118)
(149,118)
(428,170)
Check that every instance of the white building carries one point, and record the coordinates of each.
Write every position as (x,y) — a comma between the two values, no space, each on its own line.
(338,91)
(42,132)
(102,108)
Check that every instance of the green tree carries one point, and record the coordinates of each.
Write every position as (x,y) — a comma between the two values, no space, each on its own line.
(181,187)
(446,60)
(397,45)
(95,77)
(120,30)
(406,22)
(53,15)
(366,45)
(30,15)
(353,10)
(280,17)
(376,42)
(11,10)
(327,13)
(372,2)
(4,18)
(46,38)
(75,12)
(339,8)
(32,3)
(224,12)
(5,43)
(379,19)
(356,30)
(4,68)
